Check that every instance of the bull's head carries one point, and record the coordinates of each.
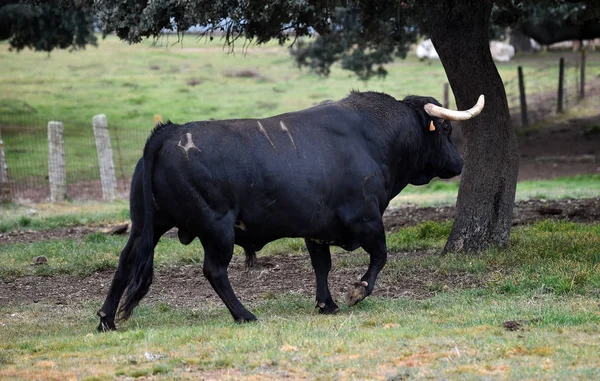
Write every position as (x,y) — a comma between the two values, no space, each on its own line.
(441,158)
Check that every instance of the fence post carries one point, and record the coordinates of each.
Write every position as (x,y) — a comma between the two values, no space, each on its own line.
(105,159)
(57,174)
(561,81)
(4,184)
(582,75)
(446,103)
(523,98)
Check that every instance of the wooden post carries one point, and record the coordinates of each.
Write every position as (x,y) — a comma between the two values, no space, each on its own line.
(57,174)
(523,98)
(446,103)
(582,75)
(4,184)
(561,81)
(105,159)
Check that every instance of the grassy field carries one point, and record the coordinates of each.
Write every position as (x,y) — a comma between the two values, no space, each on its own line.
(547,281)
(195,80)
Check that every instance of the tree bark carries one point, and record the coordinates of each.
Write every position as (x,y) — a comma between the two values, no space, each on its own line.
(459,31)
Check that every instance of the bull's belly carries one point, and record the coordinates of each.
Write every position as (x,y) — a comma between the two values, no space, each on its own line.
(256,239)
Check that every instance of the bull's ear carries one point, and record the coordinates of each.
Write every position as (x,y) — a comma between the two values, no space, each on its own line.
(431,126)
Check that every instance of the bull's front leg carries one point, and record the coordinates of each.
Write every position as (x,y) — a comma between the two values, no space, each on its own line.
(371,236)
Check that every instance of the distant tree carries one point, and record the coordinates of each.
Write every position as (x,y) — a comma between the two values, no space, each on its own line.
(565,21)
(363,36)
(46,25)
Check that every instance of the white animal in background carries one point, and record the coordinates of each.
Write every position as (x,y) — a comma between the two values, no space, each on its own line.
(501,52)
(425,50)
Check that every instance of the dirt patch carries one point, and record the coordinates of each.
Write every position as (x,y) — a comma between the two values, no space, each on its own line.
(185,286)
(30,236)
(246,73)
(565,149)
(194,81)
(525,212)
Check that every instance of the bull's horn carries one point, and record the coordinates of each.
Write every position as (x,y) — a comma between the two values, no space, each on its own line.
(444,113)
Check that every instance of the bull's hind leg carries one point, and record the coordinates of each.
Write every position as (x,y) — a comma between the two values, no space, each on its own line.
(126,260)
(218,251)
(320,257)
(119,283)
(371,237)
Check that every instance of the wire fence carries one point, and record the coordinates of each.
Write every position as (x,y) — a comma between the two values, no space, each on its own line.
(26,139)
(541,84)
(26,150)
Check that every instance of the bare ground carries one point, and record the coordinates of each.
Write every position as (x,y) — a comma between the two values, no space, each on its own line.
(185,286)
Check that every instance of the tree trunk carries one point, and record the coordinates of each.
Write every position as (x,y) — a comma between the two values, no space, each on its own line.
(459,31)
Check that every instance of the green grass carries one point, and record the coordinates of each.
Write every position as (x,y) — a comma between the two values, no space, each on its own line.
(439,192)
(45,216)
(549,279)
(452,335)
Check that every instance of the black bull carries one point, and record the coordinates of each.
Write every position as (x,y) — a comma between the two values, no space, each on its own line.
(325,174)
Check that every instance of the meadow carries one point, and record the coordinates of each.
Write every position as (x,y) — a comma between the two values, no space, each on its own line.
(195,80)
(529,311)
(430,317)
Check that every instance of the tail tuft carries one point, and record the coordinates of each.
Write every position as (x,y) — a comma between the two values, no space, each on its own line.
(139,281)
(250,258)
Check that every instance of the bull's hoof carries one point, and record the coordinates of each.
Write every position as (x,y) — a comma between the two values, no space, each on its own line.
(106,326)
(246,318)
(106,323)
(356,293)
(327,309)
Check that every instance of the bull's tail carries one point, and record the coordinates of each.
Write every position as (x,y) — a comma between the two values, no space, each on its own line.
(250,257)
(141,273)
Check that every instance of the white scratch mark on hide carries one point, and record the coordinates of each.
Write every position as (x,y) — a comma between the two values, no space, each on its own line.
(289,134)
(188,145)
(264,132)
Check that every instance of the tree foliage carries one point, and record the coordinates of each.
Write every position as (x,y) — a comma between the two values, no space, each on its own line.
(46,25)
(362,35)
